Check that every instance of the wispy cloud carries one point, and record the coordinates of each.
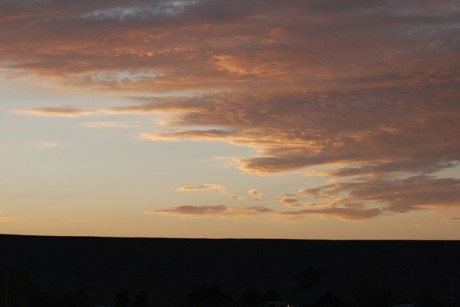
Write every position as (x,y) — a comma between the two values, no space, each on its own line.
(290,201)
(110,124)
(199,135)
(57,111)
(209,187)
(255,194)
(349,214)
(392,194)
(222,211)
(203,187)
(141,11)
(4,218)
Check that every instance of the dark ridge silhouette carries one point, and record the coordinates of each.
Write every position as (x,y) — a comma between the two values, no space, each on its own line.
(92,271)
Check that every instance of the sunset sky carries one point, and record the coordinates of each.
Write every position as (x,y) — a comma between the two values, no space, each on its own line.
(303,119)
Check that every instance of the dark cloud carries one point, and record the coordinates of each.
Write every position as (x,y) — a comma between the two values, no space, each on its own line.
(210,44)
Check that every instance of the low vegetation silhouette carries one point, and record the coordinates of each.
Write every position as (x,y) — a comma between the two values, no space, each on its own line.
(119,272)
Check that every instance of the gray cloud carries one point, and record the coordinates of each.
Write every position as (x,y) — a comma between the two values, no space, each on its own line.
(291,39)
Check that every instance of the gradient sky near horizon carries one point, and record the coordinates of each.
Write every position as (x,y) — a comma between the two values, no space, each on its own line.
(316,119)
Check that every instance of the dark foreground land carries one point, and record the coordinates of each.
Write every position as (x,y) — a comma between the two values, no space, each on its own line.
(75,271)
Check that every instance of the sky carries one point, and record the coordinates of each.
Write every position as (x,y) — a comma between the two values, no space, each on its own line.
(318,119)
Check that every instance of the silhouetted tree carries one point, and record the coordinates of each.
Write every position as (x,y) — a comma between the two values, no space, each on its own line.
(208,295)
(141,300)
(428,296)
(77,298)
(46,299)
(270,295)
(309,279)
(374,286)
(122,299)
(250,297)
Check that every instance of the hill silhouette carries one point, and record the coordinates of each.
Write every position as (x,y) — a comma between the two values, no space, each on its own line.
(232,272)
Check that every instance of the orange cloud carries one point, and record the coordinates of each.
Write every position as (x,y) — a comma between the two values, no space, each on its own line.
(370,87)
(161,46)
(57,111)
(198,135)
(296,131)
(290,201)
(256,194)
(209,187)
(6,218)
